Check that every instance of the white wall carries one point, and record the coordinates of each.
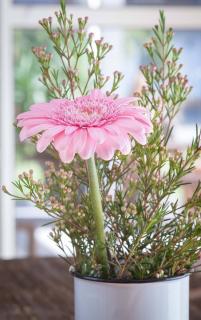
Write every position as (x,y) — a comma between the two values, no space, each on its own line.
(7,146)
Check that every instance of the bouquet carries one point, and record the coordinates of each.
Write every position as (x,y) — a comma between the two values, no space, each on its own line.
(111,176)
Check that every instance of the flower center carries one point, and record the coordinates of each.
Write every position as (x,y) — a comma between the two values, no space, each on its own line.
(86,112)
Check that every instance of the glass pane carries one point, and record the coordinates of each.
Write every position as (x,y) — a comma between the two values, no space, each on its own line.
(164,2)
(31,2)
(98,3)
(27,91)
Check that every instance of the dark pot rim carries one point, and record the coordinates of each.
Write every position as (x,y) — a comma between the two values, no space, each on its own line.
(119,281)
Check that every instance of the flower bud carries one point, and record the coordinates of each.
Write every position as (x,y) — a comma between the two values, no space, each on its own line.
(4,189)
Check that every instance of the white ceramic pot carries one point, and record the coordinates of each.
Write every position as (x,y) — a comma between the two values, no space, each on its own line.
(155,300)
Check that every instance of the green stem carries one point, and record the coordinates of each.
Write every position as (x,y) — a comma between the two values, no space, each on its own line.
(101,252)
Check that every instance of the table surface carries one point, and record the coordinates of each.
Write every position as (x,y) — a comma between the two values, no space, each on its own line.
(42,289)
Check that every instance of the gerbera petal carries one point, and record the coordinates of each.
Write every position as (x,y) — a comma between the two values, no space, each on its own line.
(40,106)
(113,129)
(32,115)
(140,114)
(133,128)
(97,134)
(33,122)
(68,153)
(47,137)
(97,94)
(145,122)
(140,137)
(61,141)
(105,150)
(125,146)
(27,132)
(128,124)
(88,149)
(60,101)
(70,129)
(124,101)
(79,139)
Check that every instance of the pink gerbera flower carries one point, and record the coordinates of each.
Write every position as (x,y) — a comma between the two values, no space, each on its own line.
(90,124)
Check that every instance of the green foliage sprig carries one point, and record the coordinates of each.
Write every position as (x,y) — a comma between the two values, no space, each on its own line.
(75,48)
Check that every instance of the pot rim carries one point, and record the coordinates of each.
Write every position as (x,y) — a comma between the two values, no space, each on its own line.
(124,281)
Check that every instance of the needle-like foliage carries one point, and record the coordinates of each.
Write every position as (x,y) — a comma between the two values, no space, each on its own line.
(149,234)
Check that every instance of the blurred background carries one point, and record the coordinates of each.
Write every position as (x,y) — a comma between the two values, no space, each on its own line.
(126,24)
